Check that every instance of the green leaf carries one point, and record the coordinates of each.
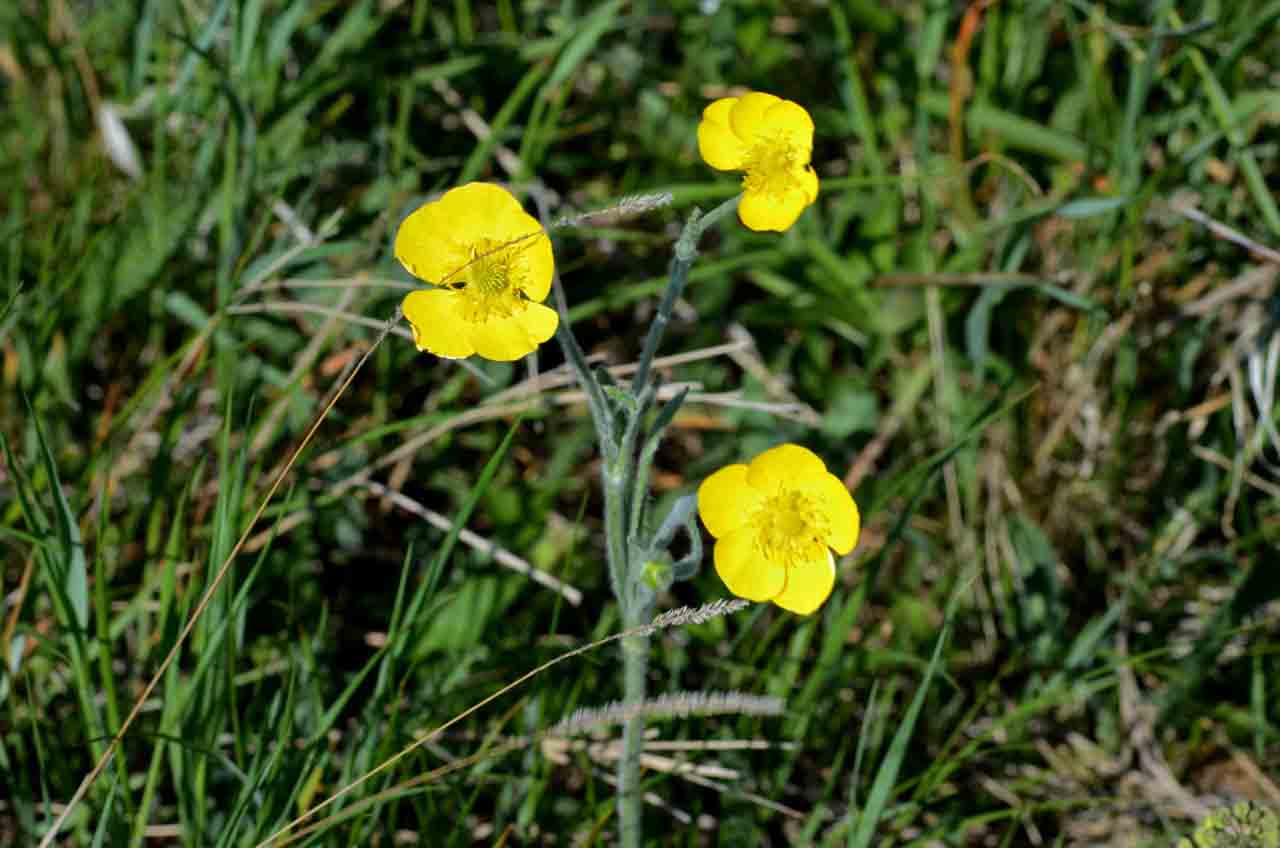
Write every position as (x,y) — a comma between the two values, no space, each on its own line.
(1015,131)
(75,567)
(977,324)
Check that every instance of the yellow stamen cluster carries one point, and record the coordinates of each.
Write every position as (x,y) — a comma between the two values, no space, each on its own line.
(790,525)
(488,288)
(770,166)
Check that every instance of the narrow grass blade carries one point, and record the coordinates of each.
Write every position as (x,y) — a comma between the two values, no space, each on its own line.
(887,774)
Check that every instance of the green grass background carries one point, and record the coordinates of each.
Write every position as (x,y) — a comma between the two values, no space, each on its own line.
(1061,625)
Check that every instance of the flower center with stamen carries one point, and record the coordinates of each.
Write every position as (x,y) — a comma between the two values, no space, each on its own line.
(491,287)
(790,528)
(770,166)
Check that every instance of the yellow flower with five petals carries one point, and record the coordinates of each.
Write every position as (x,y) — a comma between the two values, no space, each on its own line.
(776,522)
(491,263)
(771,140)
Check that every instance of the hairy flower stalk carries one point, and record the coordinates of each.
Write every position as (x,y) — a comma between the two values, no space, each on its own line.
(639,566)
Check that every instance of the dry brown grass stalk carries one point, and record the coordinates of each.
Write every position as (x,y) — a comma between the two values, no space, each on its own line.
(500,555)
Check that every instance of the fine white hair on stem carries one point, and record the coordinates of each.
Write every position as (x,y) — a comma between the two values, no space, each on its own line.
(627,207)
(673,705)
(697,615)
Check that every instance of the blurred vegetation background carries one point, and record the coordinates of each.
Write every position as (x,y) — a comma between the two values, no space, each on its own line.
(1031,321)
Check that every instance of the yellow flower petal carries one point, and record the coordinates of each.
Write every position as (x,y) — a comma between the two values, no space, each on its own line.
(790,121)
(745,572)
(767,211)
(725,501)
(719,147)
(808,180)
(808,583)
(513,337)
(720,110)
(539,322)
(746,118)
(437,321)
(717,144)
(501,339)
(484,209)
(837,510)
(436,241)
(787,466)
(536,263)
(425,247)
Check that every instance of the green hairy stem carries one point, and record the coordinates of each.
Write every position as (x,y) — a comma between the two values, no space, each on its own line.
(627,449)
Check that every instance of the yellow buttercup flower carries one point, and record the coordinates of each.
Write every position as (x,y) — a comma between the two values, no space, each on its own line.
(491,263)
(776,522)
(771,140)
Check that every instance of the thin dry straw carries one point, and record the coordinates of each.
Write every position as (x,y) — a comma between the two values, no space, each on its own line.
(475,540)
(1224,232)
(213,587)
(674,618)
(673,705)
(391,792)
(275,306)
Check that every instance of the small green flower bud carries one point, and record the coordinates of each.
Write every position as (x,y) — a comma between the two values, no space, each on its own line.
(656,574)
